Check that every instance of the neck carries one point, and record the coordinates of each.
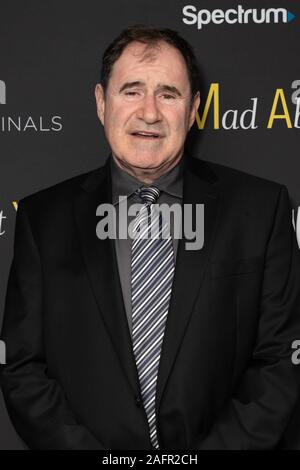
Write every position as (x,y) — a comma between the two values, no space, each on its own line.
(147,175)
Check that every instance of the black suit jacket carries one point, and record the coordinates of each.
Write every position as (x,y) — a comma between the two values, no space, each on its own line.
(225,381)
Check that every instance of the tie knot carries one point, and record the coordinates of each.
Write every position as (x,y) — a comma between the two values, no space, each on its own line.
(148,194)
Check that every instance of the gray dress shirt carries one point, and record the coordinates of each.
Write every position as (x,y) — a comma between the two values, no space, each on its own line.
(123,184)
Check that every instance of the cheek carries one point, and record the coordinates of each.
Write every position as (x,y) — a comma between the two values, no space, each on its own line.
(177,119)
(117,118)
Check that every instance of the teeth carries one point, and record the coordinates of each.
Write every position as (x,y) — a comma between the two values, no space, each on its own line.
(146,135)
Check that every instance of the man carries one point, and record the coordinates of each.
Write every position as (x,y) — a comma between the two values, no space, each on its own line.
(213,370)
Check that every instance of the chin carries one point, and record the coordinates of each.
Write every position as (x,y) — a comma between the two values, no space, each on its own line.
(145,161)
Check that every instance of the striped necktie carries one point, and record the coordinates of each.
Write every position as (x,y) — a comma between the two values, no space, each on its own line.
(152,269)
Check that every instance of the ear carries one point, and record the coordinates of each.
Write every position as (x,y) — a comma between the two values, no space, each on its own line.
(100,102)
(194,108)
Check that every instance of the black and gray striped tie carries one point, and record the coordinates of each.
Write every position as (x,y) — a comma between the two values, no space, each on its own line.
(152,269)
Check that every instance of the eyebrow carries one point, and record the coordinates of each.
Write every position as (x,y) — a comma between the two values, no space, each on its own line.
(160,87)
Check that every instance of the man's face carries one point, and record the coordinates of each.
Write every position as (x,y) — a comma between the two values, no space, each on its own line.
(147,110)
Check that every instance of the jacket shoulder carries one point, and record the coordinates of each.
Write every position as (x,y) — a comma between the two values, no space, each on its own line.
(246,185)
(60,192)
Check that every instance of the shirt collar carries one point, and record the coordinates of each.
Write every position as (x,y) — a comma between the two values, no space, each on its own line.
(124,184)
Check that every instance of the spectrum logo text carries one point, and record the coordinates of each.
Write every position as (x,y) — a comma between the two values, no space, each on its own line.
(192,16)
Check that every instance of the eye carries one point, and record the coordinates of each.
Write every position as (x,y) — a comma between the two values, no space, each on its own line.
(132,95)
(167,97)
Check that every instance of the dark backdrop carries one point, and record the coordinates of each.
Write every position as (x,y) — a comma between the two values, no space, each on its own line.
(50,55)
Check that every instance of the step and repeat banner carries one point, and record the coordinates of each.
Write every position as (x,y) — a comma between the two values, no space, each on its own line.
(50,56)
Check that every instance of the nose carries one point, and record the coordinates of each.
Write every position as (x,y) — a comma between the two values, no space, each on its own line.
(149,111)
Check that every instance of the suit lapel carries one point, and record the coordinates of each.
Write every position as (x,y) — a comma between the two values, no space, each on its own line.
(190,266)
(101,264)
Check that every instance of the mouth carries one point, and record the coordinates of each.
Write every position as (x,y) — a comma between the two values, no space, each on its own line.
(146,135)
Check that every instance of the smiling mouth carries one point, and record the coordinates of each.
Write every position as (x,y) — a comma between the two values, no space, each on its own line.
(146,135)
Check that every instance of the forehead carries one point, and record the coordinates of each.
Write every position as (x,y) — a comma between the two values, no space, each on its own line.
(140,61)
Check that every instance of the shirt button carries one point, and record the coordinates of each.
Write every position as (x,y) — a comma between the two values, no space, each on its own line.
(138,401)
